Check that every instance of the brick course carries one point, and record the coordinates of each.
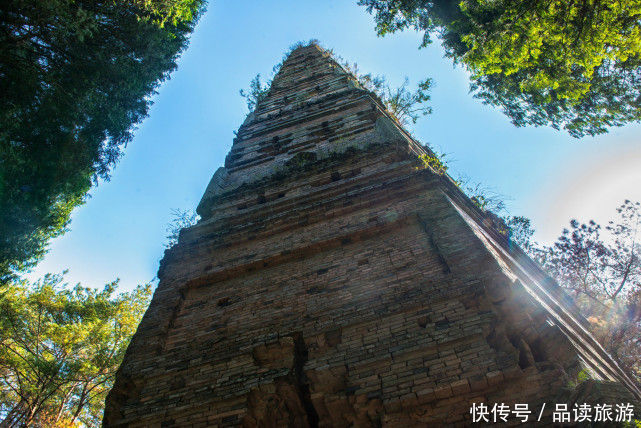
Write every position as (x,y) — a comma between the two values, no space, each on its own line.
(334,280)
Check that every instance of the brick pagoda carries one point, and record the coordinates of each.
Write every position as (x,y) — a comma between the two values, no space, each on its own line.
(335,279)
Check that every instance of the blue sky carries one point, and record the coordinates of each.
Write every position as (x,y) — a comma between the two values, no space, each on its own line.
(543,174)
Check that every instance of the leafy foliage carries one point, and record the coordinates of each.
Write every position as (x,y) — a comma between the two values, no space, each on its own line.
(520,231)
(434,162)
(601,268)
(180,220)
(572,65)
(605,268)
(402,104)
(406,106)
(256,92)
(484,198)
(171,12)
(75,76)
(60,349)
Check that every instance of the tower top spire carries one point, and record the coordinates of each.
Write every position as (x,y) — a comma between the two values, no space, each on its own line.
(314,107)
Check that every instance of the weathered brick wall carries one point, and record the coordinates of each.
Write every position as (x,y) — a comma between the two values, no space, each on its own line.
(334,281)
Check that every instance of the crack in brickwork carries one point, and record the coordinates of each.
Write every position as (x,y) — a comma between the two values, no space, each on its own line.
(300,358)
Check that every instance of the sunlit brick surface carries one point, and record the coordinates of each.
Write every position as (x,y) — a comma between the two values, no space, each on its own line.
(335,281)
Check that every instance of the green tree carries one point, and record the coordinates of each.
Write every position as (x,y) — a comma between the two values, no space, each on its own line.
(257,92)
(60,349)
(180,219)
(75,76)
(402,104)
(483,197)
(568,64)
(520,232)
(600,267)
(405,105)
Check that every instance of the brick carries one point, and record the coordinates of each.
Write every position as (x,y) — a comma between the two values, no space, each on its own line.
(329,259)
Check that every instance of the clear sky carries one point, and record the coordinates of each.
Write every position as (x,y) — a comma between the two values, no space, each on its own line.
(543,174)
